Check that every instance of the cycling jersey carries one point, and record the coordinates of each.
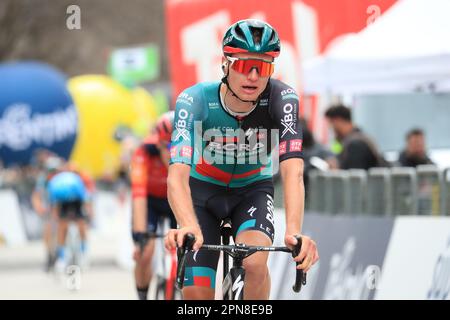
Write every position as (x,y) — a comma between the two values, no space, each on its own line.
(66,187)
(148,174)
(207,138)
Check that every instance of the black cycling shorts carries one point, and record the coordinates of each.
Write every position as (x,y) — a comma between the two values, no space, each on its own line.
(71,210)
(249,208)
(157,210)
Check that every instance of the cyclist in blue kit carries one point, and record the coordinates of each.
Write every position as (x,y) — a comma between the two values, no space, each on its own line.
(221,161)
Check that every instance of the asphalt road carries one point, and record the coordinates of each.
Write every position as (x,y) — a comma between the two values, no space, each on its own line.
(22,275)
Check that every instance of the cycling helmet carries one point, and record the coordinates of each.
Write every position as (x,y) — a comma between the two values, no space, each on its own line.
(164,126)
(251,35)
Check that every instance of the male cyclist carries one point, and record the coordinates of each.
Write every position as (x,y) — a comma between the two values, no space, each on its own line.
(149,191)
(221,161)
(69,198)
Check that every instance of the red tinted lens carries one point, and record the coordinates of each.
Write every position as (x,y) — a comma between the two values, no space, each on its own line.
(264,68)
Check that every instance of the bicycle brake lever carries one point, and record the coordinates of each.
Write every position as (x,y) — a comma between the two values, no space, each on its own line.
(300,277)
(188,243)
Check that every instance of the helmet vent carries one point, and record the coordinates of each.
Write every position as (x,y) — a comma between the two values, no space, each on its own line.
(256,35)
(239,32)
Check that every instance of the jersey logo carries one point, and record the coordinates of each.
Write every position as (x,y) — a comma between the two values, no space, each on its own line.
(181,124)
(184,133)
(282,148)
(251,211)
(295,145)
(173,151)
(288,120)
(237,287)
(186,151)
(288,127)
(249,133)
(185,98)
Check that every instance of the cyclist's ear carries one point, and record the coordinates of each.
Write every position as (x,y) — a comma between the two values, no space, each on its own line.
(224,65)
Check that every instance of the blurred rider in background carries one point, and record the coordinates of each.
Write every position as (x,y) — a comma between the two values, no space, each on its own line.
(149,191)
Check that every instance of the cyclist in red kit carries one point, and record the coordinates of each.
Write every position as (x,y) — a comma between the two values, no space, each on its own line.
(149,191)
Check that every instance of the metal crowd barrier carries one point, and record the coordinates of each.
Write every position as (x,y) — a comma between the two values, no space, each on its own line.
(404,195)
(315,195)
(337,192)
(424,190)
(379,196)
(429,190)
(357,191)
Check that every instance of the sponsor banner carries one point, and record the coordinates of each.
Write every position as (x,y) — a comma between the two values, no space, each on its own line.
(351,250)
(36,111)
(417,263)
(130,66)
(12,229)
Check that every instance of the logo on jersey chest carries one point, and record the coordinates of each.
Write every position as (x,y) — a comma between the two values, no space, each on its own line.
(220,146)
(253,139)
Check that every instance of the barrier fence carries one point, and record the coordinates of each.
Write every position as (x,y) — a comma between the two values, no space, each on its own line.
(424,190)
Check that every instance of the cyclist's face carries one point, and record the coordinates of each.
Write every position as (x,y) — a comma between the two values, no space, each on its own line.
(248,86)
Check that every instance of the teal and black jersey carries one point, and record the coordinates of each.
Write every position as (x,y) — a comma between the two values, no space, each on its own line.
(228,151)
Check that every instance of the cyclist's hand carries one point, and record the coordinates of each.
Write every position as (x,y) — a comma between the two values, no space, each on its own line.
(308,253)
(175,237)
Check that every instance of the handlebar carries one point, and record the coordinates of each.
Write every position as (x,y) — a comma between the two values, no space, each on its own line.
(237,251)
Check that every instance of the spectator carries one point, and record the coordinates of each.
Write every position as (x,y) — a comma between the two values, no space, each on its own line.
(358,150)
(415,152)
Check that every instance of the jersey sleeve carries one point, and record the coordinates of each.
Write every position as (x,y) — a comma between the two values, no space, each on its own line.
(284,111)
(190,110)
(138,173)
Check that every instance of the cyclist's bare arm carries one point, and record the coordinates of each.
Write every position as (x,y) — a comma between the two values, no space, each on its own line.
(37,202)
(179,196)
(294,203)
(139,214)
(294,194)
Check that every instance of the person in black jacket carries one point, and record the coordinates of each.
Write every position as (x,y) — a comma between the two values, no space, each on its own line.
(358,150)
(415,152)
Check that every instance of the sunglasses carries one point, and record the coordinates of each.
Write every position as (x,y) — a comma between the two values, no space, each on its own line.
(246,65)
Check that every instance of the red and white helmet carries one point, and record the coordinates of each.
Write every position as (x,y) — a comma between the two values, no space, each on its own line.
(164,126)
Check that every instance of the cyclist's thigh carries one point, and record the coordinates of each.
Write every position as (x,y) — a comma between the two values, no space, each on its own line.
(201,266)
(254,212)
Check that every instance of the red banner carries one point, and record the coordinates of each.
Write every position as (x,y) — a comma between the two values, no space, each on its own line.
(196,27)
